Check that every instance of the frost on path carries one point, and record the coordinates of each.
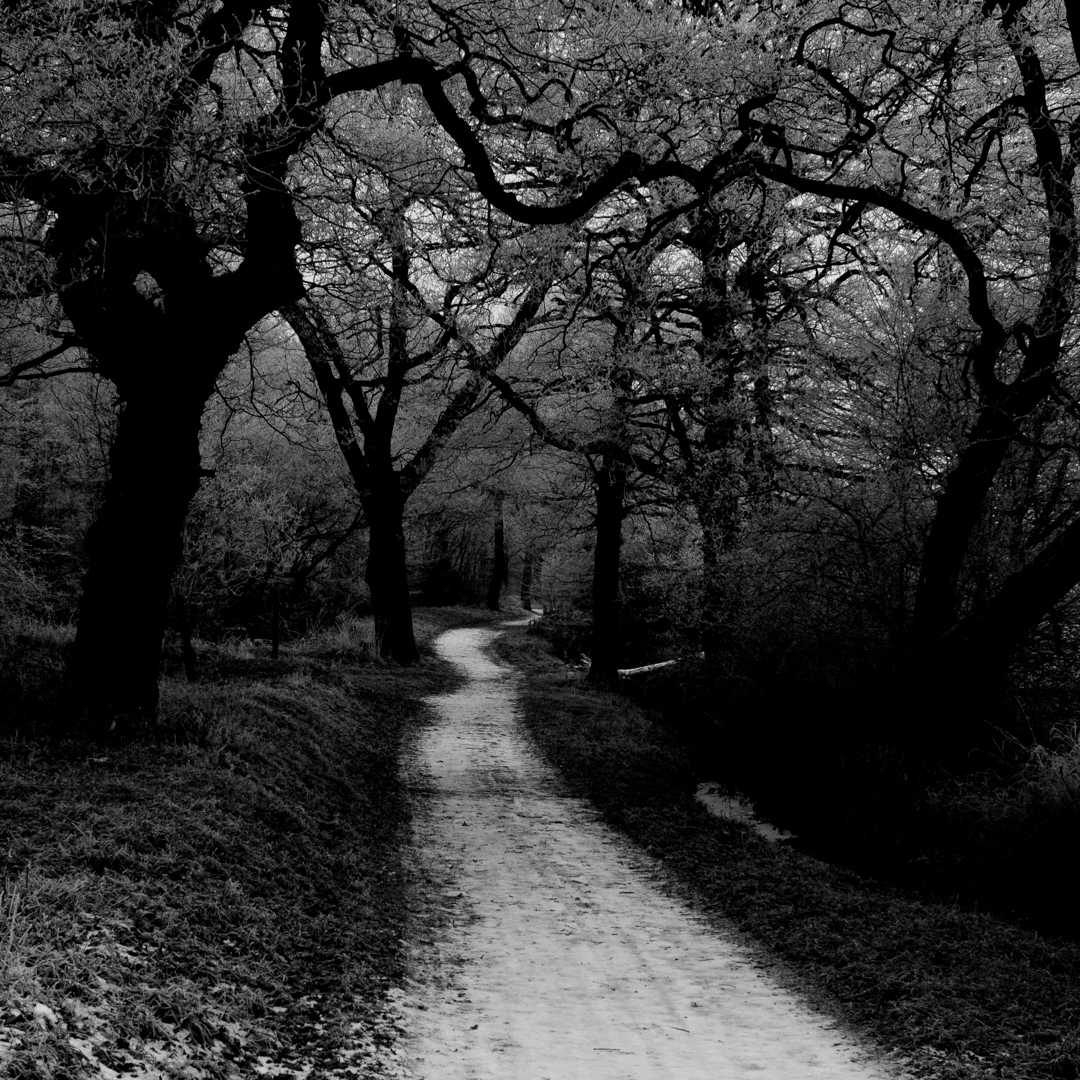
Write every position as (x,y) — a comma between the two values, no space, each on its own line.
(557,957)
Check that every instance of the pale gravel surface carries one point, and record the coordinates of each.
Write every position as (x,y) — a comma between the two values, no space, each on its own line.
(553,954)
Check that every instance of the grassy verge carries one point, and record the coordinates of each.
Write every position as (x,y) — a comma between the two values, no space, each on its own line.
(227,899)
(986,826)
(962,995)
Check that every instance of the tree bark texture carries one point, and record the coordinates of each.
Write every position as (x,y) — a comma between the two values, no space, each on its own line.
(387,574)
(715,468)
(133,548)
(610,492)
(960,506)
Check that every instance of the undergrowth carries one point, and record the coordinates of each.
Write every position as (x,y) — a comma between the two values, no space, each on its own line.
(988,827)
(961,994)
(224,898)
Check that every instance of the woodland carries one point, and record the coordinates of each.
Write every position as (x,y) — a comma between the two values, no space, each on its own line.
(737,334)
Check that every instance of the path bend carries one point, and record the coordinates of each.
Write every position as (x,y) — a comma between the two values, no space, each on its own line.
(558,957)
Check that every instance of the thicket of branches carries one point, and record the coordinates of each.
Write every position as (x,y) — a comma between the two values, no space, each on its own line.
(744,330)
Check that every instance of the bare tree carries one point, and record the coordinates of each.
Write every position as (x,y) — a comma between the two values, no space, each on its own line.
(160,144)
(409,316)
(986,159)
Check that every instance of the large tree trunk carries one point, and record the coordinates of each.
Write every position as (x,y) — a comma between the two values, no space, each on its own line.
(715,479)
(607,621)
(983,641)
(387,575)
(134,547)
(959,508)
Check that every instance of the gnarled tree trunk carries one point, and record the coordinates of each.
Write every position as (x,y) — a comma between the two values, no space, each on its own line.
(607,621)
(133,547)
(387,573)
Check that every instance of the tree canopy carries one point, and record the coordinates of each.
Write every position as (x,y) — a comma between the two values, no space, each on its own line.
(804,278)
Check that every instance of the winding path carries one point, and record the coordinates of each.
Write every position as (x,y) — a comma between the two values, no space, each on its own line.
(556,956)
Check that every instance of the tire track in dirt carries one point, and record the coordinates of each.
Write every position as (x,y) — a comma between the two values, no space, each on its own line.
(556,956)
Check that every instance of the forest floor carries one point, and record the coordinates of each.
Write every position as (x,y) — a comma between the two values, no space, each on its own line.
(226,899)
(234,899)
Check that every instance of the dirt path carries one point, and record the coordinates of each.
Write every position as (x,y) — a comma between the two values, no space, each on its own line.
(557,957)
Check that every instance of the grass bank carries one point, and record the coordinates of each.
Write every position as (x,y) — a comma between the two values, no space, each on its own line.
(962,995)
(227,898)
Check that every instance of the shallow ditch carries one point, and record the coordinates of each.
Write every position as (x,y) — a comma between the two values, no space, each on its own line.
(734,806)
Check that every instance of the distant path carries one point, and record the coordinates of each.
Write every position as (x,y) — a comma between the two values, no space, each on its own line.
(558,958)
